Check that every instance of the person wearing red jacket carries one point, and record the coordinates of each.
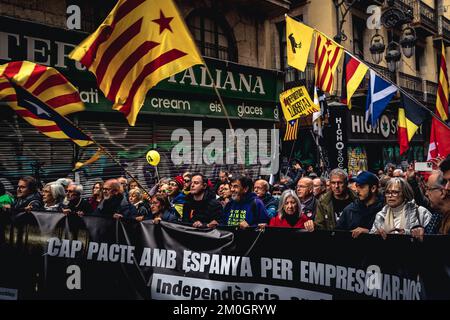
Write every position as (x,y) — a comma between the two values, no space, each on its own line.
(289,214)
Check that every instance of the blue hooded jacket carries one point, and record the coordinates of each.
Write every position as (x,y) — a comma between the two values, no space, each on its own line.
(250,209)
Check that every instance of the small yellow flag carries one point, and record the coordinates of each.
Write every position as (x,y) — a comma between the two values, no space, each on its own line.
(297,103)
(92,159)
(298,43)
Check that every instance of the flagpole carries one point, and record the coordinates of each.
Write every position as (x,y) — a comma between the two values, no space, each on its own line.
(402,91)
(213,84)
(105,151)
(387,80)
(226,114)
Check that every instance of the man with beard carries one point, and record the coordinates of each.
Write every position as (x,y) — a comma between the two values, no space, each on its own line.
(245,209)
(331,205)
(201,208)
(77,204)
(114,203)
(358,217)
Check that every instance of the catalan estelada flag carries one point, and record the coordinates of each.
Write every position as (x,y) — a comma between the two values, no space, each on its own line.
(410,118)
(327,55)
(140,43)
(291,130)
(42,97)
(354,72)
(442,92)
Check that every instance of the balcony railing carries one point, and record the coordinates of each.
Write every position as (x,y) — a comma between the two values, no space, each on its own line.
(383,71)
(407,6)
(425,15)
(430,92)
(411,84)
(445,27)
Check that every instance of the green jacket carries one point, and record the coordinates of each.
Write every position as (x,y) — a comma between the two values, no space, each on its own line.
(325,219)
(6,199)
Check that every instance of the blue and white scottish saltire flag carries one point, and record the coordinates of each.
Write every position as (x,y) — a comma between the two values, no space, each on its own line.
(379,94)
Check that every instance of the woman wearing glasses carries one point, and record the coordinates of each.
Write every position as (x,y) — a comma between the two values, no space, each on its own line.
(400,215)
(160,210)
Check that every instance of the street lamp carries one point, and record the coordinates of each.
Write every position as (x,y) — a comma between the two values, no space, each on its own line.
(391,18)
(377,48)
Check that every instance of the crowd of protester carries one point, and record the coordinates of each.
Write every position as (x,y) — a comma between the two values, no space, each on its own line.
(391,201)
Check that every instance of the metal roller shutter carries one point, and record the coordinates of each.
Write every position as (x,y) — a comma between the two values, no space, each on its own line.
(163,132)
(22,148)
(127,144)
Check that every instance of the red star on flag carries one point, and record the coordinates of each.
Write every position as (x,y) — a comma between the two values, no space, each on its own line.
(164,22)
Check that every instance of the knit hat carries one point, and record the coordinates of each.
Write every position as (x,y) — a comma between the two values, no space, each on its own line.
(179,181)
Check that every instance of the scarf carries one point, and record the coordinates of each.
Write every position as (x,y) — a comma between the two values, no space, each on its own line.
(392,215)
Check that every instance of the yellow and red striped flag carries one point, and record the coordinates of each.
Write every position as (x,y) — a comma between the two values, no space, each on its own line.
(291,130)
(140,43)
(442,93)
(42,97)
(327,55)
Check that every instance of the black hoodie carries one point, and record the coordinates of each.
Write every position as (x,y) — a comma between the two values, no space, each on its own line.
(205,210)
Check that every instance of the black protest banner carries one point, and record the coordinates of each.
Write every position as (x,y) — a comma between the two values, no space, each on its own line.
(100,258)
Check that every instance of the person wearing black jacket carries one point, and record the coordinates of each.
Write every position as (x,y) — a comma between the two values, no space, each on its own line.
(201,207)
(358,216)
(77,205)
(114,203)
(28,197)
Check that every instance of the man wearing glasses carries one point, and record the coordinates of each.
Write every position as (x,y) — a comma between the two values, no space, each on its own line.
(305,192)
(187,178)
(440,203)
(114,203)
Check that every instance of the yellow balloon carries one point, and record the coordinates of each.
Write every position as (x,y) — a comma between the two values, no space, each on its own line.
(153,157)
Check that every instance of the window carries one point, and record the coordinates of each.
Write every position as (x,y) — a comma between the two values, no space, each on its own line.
(419,56)
(213,35)
(92,12)
(293,76)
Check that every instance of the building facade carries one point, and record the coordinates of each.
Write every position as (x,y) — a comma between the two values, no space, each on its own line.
(236,43)
(367,147)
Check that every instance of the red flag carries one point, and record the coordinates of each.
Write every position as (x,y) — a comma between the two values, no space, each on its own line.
(439,140)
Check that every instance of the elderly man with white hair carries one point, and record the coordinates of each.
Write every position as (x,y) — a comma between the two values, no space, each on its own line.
(77,205)
(398,173)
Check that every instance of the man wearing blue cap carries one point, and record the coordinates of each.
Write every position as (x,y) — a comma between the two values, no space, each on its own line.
(358,217)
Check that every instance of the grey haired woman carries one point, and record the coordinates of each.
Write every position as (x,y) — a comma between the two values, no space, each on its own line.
(400,215)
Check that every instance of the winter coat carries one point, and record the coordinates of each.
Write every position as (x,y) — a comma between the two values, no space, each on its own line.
(415,216)
(34,200)
(116,204)
(325,219)
(357,214)
(271,205)
(309,208)
(280,222)
(250,209)
(178,202)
